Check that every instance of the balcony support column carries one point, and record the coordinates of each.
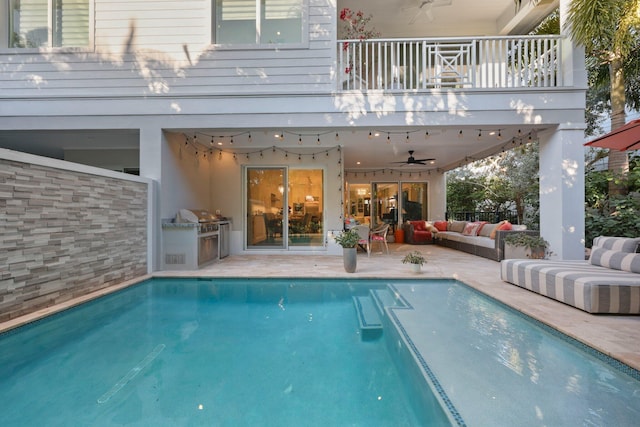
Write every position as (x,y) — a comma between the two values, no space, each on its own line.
(562,191)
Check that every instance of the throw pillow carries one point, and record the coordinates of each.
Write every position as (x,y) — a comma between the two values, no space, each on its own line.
(502,225)
(471,229)
(615,259)
(441,225)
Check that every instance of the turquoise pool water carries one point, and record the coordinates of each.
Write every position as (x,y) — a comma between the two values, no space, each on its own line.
(290,353)
(202,352)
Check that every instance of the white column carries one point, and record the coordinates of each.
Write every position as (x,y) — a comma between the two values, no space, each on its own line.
(152,147)
(562,192)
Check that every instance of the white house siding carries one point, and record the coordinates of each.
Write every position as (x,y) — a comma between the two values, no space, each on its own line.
(146,48)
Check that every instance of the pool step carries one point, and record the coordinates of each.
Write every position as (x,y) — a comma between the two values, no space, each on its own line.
(385,298)
(368,317)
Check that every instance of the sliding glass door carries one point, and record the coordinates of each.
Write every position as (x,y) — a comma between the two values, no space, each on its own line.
(265,203)
(284,208)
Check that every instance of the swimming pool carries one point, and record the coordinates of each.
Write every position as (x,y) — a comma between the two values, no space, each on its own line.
(171,352)
(205,352)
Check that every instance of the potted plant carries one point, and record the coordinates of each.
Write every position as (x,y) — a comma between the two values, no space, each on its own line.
(348,240)
(522,245)
(416,260)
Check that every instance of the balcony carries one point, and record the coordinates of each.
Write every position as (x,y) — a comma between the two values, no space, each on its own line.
(454,63)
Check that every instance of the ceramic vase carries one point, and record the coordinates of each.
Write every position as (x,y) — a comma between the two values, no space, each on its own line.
(350,259)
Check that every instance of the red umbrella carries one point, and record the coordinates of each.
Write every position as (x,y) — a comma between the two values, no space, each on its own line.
(624,138)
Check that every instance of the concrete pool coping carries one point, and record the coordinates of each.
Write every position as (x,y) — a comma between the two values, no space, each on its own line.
(614,335)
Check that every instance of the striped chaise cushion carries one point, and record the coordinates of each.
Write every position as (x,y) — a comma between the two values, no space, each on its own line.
(588,287)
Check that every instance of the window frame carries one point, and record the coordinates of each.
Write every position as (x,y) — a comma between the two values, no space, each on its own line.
(5,38)
(303,43)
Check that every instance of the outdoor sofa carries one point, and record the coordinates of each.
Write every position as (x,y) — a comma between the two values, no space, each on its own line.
(609,282)
(477,237)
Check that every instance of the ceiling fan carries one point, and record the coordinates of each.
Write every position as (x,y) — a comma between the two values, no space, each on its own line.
(424,7)
(413,161)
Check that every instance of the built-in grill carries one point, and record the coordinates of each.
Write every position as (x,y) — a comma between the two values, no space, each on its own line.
(207,222)
(196,237)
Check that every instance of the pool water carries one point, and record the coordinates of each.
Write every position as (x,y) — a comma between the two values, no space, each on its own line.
(278,352)
(214,353)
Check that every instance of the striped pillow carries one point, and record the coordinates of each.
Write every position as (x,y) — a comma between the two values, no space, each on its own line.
(615,259)
(621,244)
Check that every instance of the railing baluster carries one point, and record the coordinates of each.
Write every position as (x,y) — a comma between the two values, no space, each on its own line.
(420,64)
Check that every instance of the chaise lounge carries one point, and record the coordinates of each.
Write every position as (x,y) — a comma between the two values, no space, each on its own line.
(609,282)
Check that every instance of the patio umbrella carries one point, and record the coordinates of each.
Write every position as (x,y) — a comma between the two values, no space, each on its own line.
(624,138)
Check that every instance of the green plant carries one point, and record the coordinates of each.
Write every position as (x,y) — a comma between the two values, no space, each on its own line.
(348,239)
(414,258)
(538,246)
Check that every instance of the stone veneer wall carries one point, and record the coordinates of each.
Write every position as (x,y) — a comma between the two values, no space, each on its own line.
(64,234)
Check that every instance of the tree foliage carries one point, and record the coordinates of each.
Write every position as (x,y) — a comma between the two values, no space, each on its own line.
(505,182)
(612,215)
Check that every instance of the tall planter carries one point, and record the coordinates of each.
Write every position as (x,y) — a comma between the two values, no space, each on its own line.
(350,259)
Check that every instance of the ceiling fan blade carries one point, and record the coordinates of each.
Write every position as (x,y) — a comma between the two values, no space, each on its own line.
(423,160)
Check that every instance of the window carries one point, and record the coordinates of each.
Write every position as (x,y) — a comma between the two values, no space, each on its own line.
(263,22)
(48,23)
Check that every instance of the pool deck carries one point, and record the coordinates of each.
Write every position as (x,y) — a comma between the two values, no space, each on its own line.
(616,336)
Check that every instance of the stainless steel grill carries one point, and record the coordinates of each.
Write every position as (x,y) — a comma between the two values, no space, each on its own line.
(212,238)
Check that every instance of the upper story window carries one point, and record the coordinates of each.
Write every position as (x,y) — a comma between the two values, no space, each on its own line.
(48,23)
(259,22)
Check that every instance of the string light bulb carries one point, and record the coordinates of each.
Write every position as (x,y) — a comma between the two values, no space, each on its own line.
(460,134)
(337,137)
(426,135)
(370,135)
(249,138)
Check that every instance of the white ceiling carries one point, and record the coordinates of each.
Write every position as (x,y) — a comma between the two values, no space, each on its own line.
(393,18)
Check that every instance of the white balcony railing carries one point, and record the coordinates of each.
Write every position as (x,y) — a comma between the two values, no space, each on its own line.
(479,62)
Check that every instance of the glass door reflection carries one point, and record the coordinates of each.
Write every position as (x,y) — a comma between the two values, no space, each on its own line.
(266,198)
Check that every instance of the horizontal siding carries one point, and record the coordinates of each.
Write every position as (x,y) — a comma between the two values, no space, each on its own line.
(145,47)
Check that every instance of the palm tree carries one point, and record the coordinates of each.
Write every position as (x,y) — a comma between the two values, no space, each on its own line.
(608,29)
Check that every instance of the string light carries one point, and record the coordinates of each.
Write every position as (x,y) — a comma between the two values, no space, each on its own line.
(318,141)
(460,134)
(407,137)
(426,135)
(337,137)
(370,135)
(249,138)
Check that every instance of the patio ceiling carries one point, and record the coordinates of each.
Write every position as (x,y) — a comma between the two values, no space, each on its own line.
(361,152)
(446,18)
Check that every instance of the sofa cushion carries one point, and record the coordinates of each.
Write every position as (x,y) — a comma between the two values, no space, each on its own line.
(441,225)
(418,225)
(621,244)
(456,226)
(615,259)
(487,229)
